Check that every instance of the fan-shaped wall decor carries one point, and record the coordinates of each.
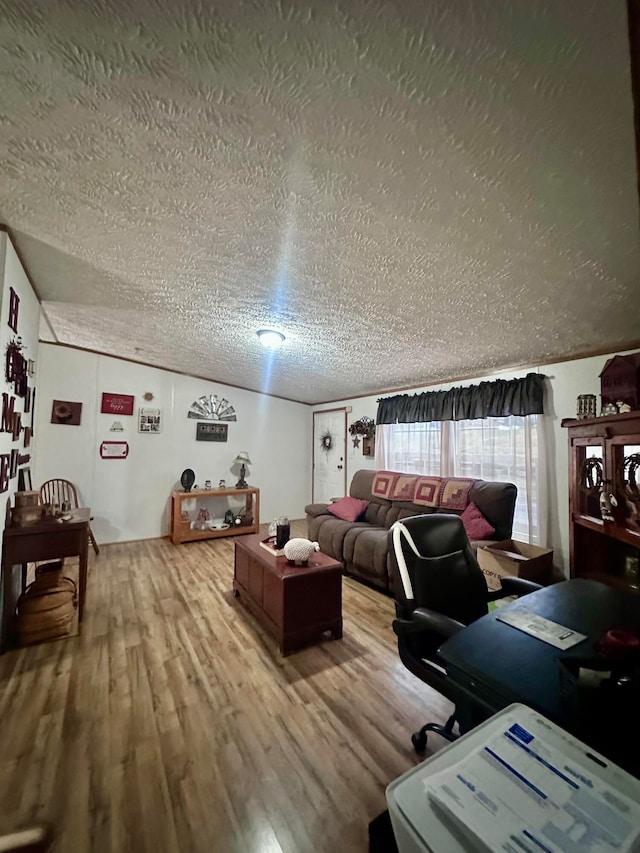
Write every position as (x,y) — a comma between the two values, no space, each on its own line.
(210,408)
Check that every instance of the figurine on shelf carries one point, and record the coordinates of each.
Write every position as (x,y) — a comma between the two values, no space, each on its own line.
(207,484)
(608,503)
(222,484)
(586,406)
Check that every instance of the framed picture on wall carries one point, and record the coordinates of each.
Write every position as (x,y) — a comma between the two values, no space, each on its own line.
(149,420)
(24,480)
(66,412)
(117,404)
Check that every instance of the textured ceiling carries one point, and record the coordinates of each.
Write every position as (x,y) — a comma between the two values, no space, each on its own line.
(411,191)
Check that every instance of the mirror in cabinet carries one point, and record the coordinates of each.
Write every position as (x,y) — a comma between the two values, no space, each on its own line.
(627,467)
(590,478)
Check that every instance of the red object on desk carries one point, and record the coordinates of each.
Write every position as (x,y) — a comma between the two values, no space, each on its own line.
(618,643)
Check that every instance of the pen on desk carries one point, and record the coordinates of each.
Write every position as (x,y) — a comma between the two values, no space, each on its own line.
(566,635)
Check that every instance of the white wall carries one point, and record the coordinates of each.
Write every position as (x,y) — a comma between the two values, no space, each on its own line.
(13,275)
(130,498)
(566,381)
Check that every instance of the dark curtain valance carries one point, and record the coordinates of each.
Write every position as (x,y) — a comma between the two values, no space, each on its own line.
(496,399)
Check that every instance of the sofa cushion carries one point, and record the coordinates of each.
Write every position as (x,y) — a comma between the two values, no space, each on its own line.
(455,493)
(475,524)
(496,501)
(331,532)
(428,491)
(348,509)
(365,555)
(376,513)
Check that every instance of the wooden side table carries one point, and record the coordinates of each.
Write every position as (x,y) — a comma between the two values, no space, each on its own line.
(296,604)
(47,540)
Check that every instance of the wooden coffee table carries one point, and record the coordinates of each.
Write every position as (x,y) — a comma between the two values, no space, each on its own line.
(297,604)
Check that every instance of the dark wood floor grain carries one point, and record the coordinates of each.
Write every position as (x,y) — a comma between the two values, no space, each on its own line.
(172,723)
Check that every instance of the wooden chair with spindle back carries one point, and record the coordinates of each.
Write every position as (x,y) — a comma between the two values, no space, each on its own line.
(60,491)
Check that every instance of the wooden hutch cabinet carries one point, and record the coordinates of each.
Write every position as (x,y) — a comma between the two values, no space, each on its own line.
(604,498)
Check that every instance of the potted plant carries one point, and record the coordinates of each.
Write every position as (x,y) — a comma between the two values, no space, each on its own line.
(364,427)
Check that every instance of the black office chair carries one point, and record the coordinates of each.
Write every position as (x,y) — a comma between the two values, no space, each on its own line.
(439,588)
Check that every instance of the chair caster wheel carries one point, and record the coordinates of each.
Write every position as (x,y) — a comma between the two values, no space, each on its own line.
(419,741)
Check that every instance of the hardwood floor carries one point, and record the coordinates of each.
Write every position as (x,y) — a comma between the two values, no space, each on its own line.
(172,723)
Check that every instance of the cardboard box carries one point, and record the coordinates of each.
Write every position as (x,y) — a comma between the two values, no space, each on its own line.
(515,559)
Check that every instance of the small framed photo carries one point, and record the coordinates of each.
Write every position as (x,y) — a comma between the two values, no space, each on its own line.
(66,412)
(24,480)
(149,420)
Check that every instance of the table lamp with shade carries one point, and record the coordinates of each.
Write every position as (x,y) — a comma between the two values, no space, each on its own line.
(242,459)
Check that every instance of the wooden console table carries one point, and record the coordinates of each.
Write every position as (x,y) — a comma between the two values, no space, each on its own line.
(181,530)
(46,540)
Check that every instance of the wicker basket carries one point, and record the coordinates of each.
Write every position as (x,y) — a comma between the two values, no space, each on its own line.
(46,608)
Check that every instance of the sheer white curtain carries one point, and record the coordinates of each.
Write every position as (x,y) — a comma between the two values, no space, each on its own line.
(505,449)
(410,448)
(509,449)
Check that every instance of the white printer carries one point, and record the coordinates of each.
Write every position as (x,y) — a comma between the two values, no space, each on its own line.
(516,782)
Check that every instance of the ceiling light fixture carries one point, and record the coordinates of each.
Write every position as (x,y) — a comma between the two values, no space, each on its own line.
(270,339)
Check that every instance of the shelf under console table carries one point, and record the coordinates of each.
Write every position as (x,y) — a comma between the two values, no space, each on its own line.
(211,499)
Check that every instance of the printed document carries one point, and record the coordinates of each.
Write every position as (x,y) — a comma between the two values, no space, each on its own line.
(537,626)
(523,793)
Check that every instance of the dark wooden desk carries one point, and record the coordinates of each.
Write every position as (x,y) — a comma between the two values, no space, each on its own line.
(495,664)
(47,540)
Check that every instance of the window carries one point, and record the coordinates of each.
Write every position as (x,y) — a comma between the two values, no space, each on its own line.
(505,449)
(415,448)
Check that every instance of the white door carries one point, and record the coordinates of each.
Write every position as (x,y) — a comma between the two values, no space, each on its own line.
(329,455)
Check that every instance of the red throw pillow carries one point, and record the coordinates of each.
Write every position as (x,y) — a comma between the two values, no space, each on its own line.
(476,524)
(348,509)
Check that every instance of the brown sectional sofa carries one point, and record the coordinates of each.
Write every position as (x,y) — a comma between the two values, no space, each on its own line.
(362,545)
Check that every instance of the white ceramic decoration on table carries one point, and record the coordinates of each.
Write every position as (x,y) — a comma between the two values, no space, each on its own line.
(298,551)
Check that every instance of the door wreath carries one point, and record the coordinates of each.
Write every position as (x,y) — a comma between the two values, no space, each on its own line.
(326,441)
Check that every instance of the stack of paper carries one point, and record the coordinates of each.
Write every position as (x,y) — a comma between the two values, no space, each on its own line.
(524,791)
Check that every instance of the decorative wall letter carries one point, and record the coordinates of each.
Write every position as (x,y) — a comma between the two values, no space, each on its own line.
(13,464)
(14,307)
(4,471)
(8,404)
(15,370)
